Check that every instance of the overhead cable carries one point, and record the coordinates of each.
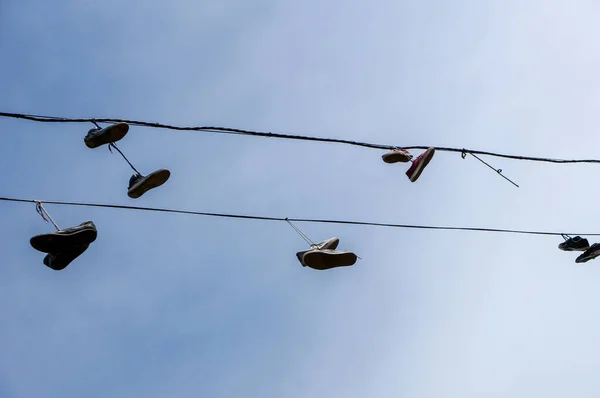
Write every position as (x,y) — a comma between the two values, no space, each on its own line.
(226,130)
(298,220)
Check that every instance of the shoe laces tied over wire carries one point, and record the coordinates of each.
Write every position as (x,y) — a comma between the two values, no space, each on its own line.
(302,234)
(312,244)
(39,207)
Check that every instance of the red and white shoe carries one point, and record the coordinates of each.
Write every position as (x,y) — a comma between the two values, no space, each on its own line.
(397,155)
(419,164)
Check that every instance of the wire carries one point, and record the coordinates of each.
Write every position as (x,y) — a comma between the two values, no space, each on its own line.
(286,219)
(226,130)
(499,171)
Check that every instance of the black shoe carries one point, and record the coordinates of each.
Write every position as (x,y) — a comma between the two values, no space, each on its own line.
(574,244)
(60,260)
(56,242)
(327,259)
(589,254)
(139,184)
(97,136)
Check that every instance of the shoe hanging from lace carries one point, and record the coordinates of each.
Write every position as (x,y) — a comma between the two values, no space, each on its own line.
(306,238)
(39,207)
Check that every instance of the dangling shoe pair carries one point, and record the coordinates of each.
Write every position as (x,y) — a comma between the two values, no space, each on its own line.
(138,184)
(403,156)
(323,256)
(578,243)
(65,245)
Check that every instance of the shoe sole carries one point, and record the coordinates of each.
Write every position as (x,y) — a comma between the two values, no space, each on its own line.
(329,244)
(111,134)
(569,249)
(154,180)
(61,260)
(56,243)
(323,261)
(582,260)
(395,158)
(426,159)
(587,258)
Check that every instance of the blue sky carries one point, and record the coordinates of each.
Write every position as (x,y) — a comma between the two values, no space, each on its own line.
(169,305)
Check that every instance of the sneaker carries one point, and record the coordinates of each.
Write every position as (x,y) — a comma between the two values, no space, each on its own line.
(589,254)
(397,155)
(331,243)
(97,136)
(56,242)
(328,259)
(59,261)
(139,185)
(574,244)
(419,164)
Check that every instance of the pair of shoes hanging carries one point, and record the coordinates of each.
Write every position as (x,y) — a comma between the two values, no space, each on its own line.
(403,156)
(64,246)
(578,243)
(138,183)
(324,256)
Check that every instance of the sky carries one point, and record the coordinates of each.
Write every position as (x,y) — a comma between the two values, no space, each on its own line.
(173,305)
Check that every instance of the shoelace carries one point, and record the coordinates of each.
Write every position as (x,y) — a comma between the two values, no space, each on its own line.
(112,145)
(39,207)
(302,234)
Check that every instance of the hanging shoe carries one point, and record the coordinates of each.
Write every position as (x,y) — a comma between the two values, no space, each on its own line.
(59,261)
(60,241)
(397,155)
(419,164)
(331,243)
(589,254)
(139,184)
(328,259)
(97,136)
(576,243)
